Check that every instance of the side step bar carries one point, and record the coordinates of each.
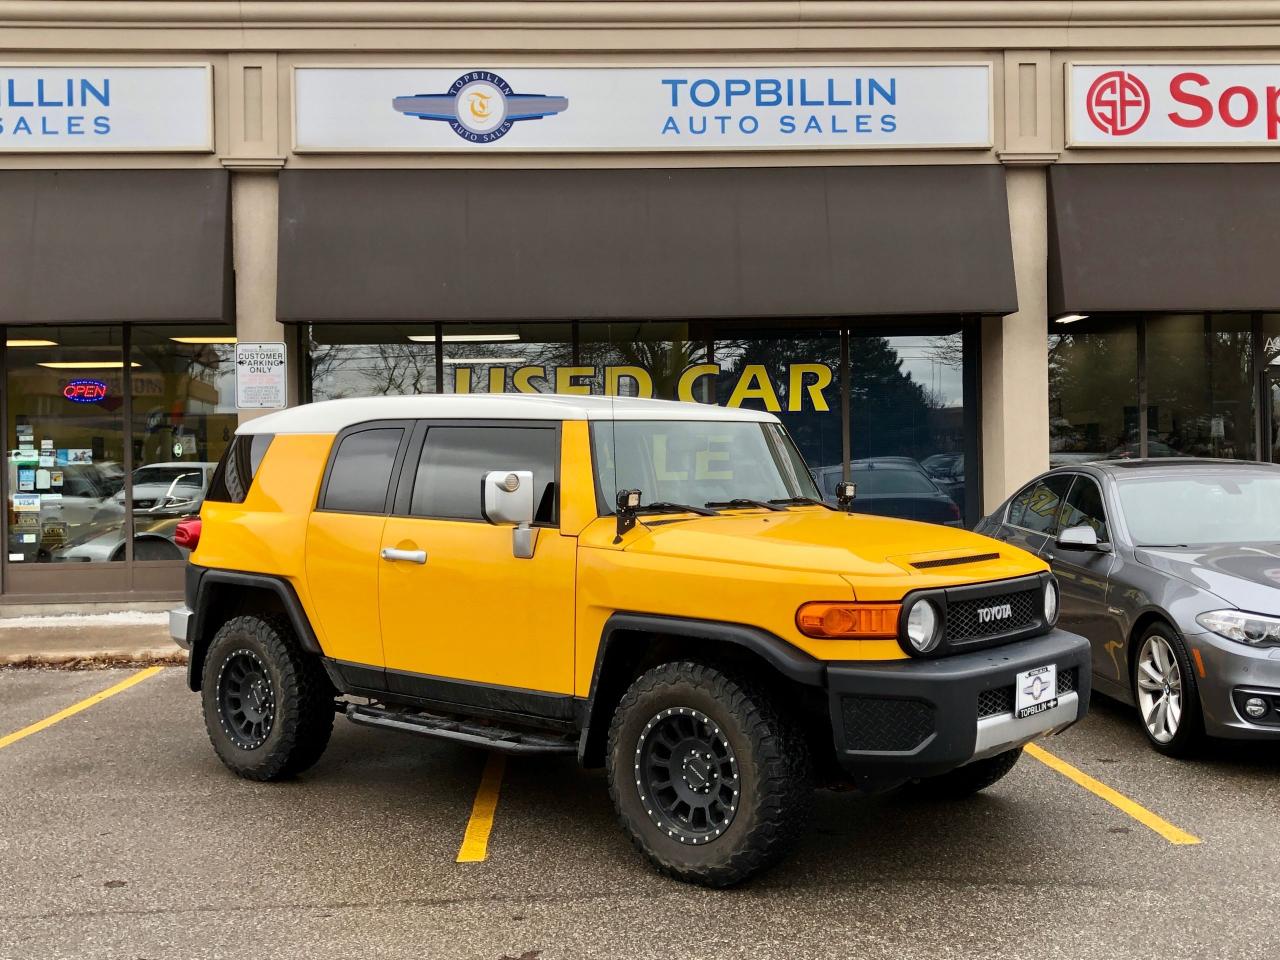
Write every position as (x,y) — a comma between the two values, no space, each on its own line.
(469,732)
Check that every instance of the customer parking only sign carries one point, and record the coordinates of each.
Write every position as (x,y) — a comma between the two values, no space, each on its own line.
(377,109)
(261,376)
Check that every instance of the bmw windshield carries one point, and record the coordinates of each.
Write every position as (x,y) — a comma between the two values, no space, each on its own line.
(1192,511)
(698,462)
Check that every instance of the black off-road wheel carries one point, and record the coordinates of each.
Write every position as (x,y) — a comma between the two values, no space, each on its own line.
(711,782)
(967,780)
(268,706)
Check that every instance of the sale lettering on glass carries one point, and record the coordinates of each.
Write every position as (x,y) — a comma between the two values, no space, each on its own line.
(798,386)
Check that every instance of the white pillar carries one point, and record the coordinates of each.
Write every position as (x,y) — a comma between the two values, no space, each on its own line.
(1015,368)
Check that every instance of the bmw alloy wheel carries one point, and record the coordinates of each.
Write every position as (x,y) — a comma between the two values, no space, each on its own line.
(1159,689)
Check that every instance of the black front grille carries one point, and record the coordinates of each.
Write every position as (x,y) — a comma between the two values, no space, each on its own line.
(973,621)
(992,703)
(882,724)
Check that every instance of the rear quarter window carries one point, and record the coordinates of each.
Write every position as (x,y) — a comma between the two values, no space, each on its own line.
(360,474)
(237,468)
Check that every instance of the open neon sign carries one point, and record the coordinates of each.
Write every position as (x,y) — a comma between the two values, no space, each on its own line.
(85,391)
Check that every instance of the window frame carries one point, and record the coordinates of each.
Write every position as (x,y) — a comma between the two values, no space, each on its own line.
(405,475)
(1102,499)
(1070,476)
(406,428)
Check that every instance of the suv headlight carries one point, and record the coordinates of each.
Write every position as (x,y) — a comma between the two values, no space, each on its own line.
(923,626)
(1251,628)
(1050,602)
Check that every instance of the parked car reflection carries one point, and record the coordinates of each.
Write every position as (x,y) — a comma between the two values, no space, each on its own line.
(152,540)
(893,487)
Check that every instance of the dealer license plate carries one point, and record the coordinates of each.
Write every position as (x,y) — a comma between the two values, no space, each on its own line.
(1035,691)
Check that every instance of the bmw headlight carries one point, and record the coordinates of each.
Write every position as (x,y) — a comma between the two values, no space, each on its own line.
(923,625)
(1251,628)
(1050,602)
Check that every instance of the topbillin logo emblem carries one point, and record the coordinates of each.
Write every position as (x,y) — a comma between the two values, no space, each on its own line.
(480,106)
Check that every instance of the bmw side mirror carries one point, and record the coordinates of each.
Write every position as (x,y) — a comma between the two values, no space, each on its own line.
(1083,538)
(508,498)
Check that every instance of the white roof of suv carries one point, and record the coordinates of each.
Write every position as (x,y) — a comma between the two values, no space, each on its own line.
(331,416)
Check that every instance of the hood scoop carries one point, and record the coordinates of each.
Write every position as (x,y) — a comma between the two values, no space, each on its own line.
(953,561)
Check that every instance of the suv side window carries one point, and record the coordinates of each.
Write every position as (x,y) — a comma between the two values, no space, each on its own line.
(1036,508)
(360,473)
(448,483)
(235,472)
(1084,508)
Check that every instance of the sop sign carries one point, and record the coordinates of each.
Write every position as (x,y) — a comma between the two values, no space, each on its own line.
(1153,105)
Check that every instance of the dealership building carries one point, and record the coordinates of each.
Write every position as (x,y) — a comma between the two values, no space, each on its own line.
(948,242)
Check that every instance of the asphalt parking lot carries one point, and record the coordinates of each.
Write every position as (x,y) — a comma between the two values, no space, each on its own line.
(123,837)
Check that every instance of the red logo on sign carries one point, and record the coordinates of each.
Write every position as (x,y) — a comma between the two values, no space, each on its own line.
(1118,103)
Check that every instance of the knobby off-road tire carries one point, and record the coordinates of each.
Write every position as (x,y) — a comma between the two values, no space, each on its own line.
(740,784)
(967,780)
(268,707)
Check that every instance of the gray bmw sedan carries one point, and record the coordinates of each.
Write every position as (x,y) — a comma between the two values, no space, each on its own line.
(1171,568)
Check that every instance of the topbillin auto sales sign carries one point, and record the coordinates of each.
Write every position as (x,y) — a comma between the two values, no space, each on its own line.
(503,108)
(1173,105)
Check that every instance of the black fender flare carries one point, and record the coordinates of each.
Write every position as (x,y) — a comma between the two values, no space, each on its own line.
(254,581)
(790,662)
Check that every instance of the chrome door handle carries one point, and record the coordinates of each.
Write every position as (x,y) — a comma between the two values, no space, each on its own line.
(411,556)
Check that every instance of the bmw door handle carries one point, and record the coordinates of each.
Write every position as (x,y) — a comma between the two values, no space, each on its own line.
(409,556)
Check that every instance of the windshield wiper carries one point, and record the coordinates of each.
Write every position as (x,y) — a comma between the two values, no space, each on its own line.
(802,502)
(746,502)
(666,506)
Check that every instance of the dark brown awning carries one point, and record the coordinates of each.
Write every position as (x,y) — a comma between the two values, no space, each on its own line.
(85,246)
(1145,236)
(688,243)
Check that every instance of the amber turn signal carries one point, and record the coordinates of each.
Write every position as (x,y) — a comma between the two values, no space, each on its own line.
(847,621)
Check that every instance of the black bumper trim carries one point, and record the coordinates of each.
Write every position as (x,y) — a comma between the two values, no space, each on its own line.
(948,689)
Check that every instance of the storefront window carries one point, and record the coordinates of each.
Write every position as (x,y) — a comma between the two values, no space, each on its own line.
(907,403)
(183,418)
(907,425)
(371,360)
(654,359)
(794,373)
(1200,389)
(65,438)
(510,358)
(1271,383)
(1093,391)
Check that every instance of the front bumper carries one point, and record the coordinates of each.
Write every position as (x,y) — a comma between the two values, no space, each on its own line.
(179,625)
(1232,669)
(903,719)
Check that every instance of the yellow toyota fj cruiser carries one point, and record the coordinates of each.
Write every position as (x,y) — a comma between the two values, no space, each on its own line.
(655,587)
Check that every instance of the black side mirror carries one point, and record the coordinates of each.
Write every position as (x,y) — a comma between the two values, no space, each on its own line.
(846,491)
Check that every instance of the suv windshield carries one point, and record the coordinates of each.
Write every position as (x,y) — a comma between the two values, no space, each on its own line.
(1197,510)
(697,462)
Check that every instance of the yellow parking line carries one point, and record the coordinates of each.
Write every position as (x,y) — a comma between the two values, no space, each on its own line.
(475,842)
(1120,801)
(75,708)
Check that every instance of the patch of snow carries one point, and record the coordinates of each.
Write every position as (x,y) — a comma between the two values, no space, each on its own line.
(72,621)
